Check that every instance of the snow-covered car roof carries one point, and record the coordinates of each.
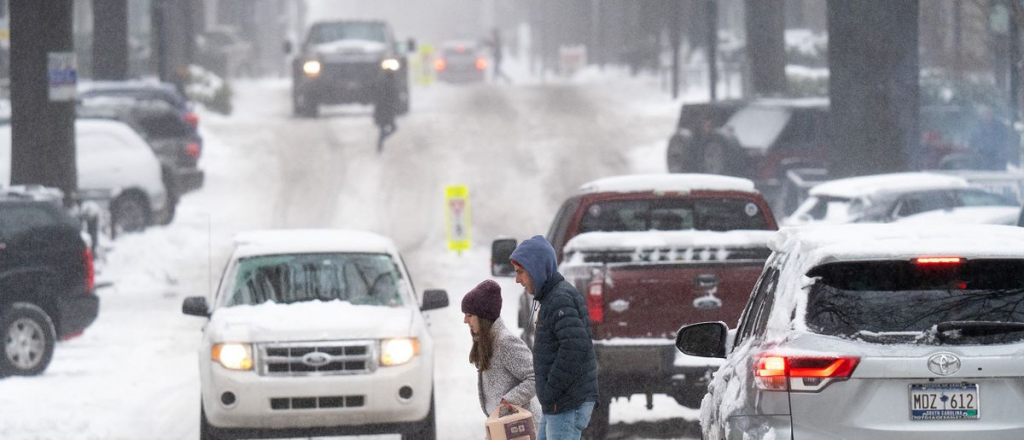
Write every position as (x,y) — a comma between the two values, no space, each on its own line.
(969,215)
(862,242)
(864,186)
(294,241)
(811,102)
(680,183)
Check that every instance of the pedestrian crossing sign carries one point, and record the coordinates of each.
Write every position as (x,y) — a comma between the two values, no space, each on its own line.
(457,217)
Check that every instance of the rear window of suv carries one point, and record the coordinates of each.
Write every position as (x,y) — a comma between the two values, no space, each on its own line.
(680,214)
(361,279)
(969,302)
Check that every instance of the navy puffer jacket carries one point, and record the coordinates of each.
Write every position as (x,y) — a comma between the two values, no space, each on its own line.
(563,352)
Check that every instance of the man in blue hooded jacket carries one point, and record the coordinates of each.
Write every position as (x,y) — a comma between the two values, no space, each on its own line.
(564,361)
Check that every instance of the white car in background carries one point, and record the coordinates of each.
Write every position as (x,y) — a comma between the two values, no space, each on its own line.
(892,197)
(113,160)
(316,333)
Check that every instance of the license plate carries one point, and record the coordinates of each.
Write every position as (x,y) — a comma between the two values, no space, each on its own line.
(946,401)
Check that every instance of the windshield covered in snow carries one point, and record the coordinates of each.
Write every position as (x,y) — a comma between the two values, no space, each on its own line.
(680,214)
(328,32)
(972,302)
(361,279)
(757,126)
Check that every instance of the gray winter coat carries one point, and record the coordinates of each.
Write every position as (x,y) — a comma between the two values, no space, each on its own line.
(510,375)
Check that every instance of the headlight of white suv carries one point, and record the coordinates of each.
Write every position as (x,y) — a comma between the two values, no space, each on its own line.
(390,64)
(233,356)
(398,351)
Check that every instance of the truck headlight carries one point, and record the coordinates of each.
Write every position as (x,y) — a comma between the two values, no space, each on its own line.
(390,64)
(311,68)
(398,351)
(233,356)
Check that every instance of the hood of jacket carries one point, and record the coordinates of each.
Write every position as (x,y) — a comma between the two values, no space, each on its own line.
(538,259)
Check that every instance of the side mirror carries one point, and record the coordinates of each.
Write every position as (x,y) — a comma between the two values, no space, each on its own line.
(434,299)
(501,251)
(410,45)
(287,47)
(706,339)
(195,306)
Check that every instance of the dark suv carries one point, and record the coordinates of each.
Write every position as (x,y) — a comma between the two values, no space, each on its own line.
(344,62)
(46,279)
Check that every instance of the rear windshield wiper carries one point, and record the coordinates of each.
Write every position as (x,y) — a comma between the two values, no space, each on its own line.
(977,328)
(871,336)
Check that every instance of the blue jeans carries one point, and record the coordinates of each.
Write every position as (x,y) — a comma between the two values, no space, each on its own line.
(567,425)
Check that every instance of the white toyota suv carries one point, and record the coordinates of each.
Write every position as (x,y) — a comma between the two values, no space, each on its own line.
(315,333)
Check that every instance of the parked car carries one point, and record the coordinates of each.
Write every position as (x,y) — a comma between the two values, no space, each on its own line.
(316,333)
(460,61)
(224,51)
(141,90)
(115,161)
(636,245)
(890,197)
(968,215)
(694,129)
(873,331)
(46,279)
(174,141)
(344,62)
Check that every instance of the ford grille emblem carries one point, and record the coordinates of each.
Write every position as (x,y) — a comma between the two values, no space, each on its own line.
(316,359)
(944,364)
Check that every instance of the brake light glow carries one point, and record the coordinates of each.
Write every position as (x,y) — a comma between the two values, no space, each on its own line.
(481,64)
(595,299)
(938,260)
(90,271)
(440,64)
(807,374)
(193,150)
(192,119)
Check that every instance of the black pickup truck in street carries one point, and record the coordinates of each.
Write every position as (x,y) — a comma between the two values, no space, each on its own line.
(46,279)
(344,62)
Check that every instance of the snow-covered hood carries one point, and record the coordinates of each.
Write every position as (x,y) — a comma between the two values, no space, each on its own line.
(350,50)
(308,321)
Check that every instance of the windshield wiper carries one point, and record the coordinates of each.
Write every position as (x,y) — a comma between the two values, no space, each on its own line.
(977,328)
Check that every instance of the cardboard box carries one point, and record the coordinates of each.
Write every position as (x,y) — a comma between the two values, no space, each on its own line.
(516,425)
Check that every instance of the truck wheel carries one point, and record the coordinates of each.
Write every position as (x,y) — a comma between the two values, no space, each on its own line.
(599,420)
(28,337)
(428,430)
(721,156)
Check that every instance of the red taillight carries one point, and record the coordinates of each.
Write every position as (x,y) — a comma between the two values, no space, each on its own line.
(595,300)
(939,260)
(782,373)
(481,64)
(440,64)
(193,150)
(192,119)
(90,271)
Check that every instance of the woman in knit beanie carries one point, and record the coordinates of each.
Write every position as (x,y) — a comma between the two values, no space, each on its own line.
(503,362)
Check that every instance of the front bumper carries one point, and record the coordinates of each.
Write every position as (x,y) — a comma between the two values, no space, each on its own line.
(345,402)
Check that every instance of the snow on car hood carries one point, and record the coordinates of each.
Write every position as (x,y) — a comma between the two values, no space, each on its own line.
(971,215)
(311,320)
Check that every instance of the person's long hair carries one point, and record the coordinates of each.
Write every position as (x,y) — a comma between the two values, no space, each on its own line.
(483,346)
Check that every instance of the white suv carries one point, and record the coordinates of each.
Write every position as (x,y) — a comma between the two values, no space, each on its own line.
(314,333)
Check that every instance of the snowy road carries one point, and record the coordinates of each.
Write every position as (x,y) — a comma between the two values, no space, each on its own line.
(521,150)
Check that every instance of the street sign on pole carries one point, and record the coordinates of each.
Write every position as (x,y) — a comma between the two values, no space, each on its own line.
(457,217)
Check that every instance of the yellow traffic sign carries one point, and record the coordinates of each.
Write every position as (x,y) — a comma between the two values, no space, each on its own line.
(457,217)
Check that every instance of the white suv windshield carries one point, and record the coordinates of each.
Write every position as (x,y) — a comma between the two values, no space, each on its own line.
(361,279)
(971,302)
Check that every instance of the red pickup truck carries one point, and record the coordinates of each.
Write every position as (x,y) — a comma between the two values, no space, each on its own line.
(652,253)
